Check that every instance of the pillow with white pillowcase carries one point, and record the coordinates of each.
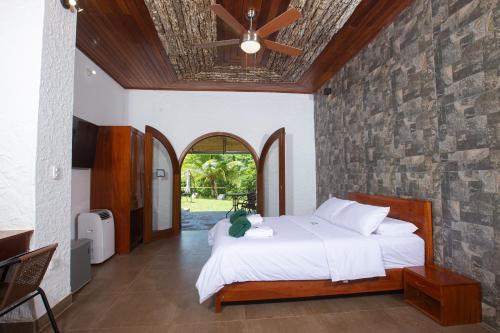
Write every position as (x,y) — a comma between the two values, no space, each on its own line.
(331,208)
(361,218)
(395,227)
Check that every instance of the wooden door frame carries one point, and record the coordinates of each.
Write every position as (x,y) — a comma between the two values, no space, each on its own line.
(226,134)
(280,136)
(148,234)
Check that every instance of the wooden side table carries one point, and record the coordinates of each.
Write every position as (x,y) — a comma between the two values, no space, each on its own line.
(445,296)
(14,242)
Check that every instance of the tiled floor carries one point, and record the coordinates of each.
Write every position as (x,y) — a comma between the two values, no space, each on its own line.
(200,220)
(152,290)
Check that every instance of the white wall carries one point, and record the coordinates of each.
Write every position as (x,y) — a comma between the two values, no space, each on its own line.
(98,98)
(183,116)
(19,112)
(35,130)
(272,181)
(102,101)
(162,188)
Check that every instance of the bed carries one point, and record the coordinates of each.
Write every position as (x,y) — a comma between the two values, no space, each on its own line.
(296,265)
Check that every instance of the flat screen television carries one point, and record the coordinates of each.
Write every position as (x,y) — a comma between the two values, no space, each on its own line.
(84,143)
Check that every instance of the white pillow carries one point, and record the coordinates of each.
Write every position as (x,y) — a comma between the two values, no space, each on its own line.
(364,219)
(395,227)
(331,207)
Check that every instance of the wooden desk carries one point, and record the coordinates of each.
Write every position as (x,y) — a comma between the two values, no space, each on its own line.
(14,242)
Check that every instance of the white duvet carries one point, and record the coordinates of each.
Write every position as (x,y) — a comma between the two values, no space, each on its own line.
(303,248)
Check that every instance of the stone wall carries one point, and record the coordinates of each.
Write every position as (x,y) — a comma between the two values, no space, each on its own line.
(417,114)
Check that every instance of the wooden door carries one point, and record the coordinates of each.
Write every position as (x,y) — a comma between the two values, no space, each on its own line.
(137,169)
(162,183)
(271,176)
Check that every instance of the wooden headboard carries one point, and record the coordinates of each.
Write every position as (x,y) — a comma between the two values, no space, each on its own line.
(418,212)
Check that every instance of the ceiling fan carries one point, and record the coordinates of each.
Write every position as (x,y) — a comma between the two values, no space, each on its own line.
(252,40)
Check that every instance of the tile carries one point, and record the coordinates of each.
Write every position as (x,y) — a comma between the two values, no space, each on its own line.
(223,327)
(287,325)
(167,281)
(139,309)
(119,264)
(189,310)
(105,283)
(275,309)
(351,303)
(360,321)
(177,261)
(412,320)
(86,310)
(134,329)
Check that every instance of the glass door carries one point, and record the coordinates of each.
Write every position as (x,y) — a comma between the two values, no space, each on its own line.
(162,186)
(271,176)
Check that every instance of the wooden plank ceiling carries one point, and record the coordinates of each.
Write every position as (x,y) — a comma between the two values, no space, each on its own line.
(129,40)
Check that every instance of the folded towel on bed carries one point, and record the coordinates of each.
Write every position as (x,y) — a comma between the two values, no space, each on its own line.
(260,232)
(239,227)
(237,214)
(255,219)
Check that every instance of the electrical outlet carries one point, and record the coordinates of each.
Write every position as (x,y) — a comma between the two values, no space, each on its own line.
(56,172)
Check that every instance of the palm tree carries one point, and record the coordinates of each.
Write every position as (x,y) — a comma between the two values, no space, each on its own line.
(218,169)
(213,170)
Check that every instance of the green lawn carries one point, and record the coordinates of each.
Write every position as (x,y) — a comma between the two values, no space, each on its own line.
(206,205)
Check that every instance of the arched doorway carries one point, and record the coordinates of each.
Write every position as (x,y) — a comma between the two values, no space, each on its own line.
(162,177)
(218,175)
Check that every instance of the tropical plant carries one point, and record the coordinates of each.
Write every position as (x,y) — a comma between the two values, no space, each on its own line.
(233,172)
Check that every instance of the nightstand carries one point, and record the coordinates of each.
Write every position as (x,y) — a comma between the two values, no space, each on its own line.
(447,297)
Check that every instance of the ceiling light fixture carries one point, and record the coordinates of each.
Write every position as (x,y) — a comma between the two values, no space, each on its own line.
(250,42)
(72,5)
(91,72)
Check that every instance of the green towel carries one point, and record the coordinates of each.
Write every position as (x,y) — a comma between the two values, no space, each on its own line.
(239,227)
(237,214)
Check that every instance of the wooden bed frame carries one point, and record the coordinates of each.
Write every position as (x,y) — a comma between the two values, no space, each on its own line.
(416,211)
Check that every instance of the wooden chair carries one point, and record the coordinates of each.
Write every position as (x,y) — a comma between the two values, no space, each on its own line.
(20,280)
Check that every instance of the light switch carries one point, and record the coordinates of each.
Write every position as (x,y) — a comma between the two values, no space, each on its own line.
(56,172)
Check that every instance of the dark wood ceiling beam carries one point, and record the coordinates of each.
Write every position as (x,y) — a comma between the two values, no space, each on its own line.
(368,19)
(229,86)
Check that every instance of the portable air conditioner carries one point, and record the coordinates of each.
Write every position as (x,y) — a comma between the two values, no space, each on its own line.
(98,226)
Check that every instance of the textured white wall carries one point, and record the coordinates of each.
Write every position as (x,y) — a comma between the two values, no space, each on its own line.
(20,63)
(35,130)
(183,116)
(53,197)
(102,101)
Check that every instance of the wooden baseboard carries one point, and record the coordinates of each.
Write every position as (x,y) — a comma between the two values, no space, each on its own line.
(40,323)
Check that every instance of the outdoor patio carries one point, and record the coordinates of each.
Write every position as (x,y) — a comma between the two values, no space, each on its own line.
(200,220)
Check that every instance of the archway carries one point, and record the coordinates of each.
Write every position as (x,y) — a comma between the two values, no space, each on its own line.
(218,175)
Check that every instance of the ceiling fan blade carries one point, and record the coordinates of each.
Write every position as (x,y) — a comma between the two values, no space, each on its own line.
(279,22)
(281,48)
(218,43)
(225,16)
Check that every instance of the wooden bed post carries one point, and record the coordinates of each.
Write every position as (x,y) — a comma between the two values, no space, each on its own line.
(218,303)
